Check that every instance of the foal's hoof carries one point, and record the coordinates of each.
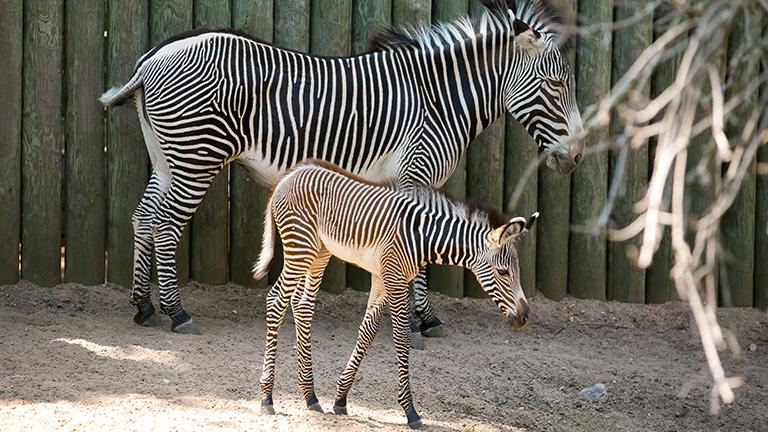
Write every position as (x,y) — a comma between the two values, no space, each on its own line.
(339,410)
(414,421)
(267,409)
(316,408)
(434,327)
(182,323)
(146,316)
(415,424)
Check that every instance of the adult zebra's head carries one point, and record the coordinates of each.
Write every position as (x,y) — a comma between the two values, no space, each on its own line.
(498,271)
(539,84)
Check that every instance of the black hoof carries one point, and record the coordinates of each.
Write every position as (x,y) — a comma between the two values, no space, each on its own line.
(267,407)
(182,323)
(313,404)
(433,327)
(414,421)
(340,406)
(145,315)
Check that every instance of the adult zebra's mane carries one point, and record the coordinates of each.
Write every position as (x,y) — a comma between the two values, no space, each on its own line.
(537,14)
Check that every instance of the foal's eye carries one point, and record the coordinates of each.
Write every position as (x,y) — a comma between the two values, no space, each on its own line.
(503,272)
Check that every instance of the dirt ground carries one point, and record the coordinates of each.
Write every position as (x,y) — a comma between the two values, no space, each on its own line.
(71,359)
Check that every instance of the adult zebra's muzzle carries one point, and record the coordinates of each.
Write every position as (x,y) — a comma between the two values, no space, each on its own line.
(521,316)
(564,163)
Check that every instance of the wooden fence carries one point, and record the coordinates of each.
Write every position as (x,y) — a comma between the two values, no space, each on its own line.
(72,173)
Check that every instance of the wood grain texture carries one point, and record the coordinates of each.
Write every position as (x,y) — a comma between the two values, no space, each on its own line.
(42,143)
(625,281)
(367,16)
(761,203)
(167,18)
(209,260)
(11,43)
(85,227)
(449,280)
(589,183)
(553,227)
(738,223)
(126,153)
(331,30)
(248,198)
(292,19)
(659,286)
(411,12)
(519,151)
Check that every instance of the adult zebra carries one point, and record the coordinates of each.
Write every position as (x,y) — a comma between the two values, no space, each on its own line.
(407,111)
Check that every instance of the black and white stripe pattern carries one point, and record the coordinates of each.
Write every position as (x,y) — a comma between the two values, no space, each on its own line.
(407,112)
(320,210)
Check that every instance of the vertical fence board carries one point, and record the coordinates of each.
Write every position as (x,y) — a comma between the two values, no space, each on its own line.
(367,16)
(167,18)
(589,186)
(331,28)
(519,152)
(126,154)
(411,12)
(85,227)
(11,38)
(248,199)
(738,223)
(41,142)
(625,281)
(659,286)
(553,230)
(761,202)
(449,280)
(210,224)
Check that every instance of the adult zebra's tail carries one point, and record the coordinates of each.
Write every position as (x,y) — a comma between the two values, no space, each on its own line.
(119,95)
(261,267)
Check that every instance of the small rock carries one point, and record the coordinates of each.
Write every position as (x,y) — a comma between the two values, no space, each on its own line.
(165,381)
(752,347)
(595,393)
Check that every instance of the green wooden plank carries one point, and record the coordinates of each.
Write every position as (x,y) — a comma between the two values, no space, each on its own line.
(126,153)
(738,223)
(553,227)
(519,151)
(761,203)
(331,29)
(167,18)
(625,281)
(485,166)
(42,142)
(659,286)
(292,24)
(85,228)
(248,199)
(411,12)
(11,41)
(210,224)
(367,16)
(589,186)
(447,279)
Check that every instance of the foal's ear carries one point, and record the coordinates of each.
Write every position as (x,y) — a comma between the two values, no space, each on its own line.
(509,231)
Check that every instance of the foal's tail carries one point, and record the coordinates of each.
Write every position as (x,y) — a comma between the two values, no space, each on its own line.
(120,94)
(261,267)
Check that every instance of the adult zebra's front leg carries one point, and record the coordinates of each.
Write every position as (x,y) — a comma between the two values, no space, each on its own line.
(431,325)
(181,201)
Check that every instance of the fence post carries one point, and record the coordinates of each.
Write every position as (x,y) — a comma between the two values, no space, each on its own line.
(85,227)
(11,42)
(209,226)
(42,140)
(626,282)
(331,26)
(761,207)
(589,188)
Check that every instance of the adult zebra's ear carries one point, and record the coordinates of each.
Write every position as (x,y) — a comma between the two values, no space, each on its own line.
(527,38)
(511,230)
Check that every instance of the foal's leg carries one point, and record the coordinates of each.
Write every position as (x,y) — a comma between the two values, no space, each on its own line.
(142,247)
(368,330)
(398,295)
(303,306)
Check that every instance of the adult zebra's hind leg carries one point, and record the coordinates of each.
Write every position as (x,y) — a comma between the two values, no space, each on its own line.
(142,248)
(368,330)
(431,325)
(303,306)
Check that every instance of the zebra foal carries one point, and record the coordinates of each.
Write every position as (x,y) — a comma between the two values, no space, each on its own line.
(321,210)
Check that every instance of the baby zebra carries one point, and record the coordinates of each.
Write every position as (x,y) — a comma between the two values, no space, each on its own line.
(321,210)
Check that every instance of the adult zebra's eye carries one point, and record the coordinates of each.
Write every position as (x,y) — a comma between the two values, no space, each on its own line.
(556,83)
(503,272)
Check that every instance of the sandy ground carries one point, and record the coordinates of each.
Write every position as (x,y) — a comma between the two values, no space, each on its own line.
(71,359)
